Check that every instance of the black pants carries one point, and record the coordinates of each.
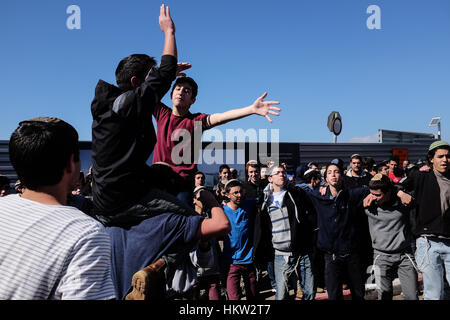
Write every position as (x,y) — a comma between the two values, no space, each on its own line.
(318,268)
(335,267)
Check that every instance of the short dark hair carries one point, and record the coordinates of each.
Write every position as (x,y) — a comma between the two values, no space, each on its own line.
(231,184)
(341,170)
(394,158)
(189,81)
(381,165)
(382,182)
(199,172)
(223,166)
(134,65)
(40,149)
(368,163)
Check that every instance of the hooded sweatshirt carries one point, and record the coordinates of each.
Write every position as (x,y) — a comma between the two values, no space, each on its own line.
(123,138)
(389,227)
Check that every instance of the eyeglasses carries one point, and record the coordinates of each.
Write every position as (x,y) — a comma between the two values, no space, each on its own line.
(278,172)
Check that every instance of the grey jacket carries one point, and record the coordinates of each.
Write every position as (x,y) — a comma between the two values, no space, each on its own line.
(389,227)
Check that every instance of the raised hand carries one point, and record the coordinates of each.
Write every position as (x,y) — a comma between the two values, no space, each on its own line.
(264,108)
(207,199)
(165,21)
(181,67)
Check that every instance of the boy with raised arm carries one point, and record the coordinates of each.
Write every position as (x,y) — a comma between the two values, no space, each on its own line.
(123,136)
(130,197)
(178,127)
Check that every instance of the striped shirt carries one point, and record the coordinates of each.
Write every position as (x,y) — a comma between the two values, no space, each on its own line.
(281,229)
(52,252)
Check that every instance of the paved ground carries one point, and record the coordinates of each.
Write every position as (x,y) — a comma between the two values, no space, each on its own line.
(266,292)
(371,293)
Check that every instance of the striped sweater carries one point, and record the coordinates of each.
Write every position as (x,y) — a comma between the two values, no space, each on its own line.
(52,252)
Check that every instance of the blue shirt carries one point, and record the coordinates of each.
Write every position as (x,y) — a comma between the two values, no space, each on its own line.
(238,244)
(141,245)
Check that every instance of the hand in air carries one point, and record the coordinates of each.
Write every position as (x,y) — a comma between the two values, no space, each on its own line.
(264,108)
(181,67)
(165,21)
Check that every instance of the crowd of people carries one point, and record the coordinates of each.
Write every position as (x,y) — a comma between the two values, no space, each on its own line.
(132,231)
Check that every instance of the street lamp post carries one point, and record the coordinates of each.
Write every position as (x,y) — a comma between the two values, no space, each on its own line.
(436,122)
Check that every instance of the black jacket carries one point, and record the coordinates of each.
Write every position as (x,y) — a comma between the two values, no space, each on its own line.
(301,232)
(123,138)
(351,182)
(427,216)
(253,191)
(337,220)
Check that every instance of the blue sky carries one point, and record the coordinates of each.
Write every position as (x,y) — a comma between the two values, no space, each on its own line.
(313,56)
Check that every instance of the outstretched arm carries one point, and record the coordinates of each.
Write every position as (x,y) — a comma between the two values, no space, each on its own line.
(260,107)
(168,27)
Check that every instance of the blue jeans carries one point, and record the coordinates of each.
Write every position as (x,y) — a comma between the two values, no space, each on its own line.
(271,274)
(289,269)
(432,257)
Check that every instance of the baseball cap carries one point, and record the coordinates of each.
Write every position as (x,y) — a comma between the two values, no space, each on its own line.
(438,144)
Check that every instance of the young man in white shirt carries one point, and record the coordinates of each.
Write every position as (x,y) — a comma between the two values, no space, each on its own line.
(49,250)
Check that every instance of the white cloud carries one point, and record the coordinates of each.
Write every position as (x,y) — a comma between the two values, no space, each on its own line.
(369,139)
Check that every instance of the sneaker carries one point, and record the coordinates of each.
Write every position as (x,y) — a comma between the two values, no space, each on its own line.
(320,290)
(148,281)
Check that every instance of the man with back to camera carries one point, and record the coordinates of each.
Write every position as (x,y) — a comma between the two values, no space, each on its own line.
(48,249)
(123,136)
(166,235)
(125,191)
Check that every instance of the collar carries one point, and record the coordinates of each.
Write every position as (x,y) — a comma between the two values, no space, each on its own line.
(349,174)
